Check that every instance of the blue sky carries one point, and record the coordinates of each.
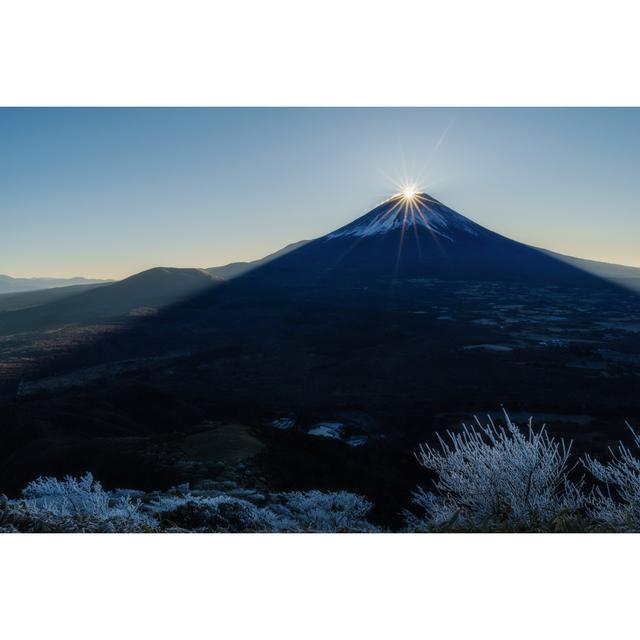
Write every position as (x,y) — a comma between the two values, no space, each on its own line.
(109,192)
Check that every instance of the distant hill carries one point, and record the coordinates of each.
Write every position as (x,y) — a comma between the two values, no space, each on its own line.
(628,277)
(235,269)
(15,285)
(140,294)
(26,299)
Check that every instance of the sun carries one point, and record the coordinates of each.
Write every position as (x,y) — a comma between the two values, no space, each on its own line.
(409,193)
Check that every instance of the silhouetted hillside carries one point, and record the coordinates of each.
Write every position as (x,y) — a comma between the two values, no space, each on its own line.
(142,293)
(235,269)
(26,299)
(15,285)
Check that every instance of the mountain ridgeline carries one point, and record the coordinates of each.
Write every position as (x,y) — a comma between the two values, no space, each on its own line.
(17,285)
(420,237)
(142,293)
(416,237)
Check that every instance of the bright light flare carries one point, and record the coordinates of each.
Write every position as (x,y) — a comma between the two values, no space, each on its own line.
(409,192)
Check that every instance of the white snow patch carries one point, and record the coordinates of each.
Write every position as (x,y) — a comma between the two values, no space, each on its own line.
(488,347)
(283,423)
(327,430)
(426,213)
(356,441)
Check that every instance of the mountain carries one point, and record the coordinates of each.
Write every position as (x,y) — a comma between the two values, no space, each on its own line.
(235,269)
(156,279)
(26,299)
(142,293)
(15,285)
(403,238)
(418,236)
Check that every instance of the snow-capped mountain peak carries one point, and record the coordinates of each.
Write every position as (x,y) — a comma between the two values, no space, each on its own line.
(402,212)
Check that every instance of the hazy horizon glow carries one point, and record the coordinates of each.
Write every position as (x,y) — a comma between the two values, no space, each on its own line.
(104,193)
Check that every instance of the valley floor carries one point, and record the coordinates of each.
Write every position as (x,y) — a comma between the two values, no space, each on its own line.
(311,389)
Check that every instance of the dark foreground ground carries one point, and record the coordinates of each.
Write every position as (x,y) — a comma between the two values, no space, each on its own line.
(222,387)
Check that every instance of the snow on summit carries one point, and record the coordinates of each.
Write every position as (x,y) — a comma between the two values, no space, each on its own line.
(416,210)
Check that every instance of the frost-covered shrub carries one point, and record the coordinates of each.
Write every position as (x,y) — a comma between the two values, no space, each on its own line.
(82,498)
(617,506)
(313,511)
(219,514)
(82,505)
(327,512)
(18,517)
(495,477)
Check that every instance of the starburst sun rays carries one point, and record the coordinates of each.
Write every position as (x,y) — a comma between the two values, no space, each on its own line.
(410,207)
